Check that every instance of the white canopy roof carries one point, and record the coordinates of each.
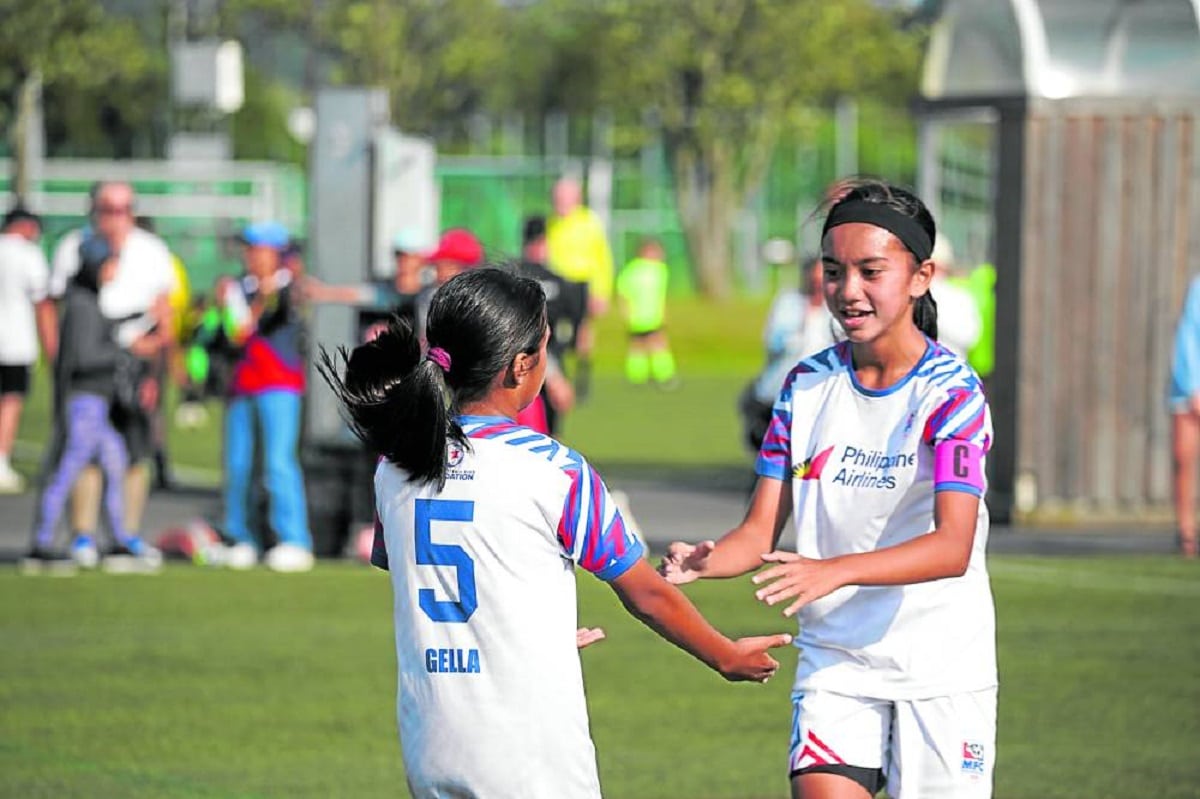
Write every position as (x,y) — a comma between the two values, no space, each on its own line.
(1064,48)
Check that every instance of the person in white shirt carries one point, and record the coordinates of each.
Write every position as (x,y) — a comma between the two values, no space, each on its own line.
(138,299)
(877,449)
(798,325)
(29,316)
(959,323)
(481,524)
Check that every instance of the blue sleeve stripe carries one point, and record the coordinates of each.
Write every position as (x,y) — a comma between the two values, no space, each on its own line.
(765,467)
(965,488)
(623,563)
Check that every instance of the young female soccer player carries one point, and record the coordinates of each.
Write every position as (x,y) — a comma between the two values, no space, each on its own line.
(483,522)
(877,447)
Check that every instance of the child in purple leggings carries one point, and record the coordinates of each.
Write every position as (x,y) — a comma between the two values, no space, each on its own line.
(85,383)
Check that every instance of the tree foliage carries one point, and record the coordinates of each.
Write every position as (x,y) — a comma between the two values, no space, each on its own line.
(727,76)
(95,70)
(439,59)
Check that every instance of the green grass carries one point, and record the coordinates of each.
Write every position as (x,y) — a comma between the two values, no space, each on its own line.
(693,431)
(215,684)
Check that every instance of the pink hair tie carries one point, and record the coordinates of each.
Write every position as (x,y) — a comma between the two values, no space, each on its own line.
(440,357)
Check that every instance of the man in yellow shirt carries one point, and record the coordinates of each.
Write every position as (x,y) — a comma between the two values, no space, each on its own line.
(578,250)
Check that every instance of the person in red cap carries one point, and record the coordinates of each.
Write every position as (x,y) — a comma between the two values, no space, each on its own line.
(458,250)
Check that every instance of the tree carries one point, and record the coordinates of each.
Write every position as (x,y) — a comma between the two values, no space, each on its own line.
(68,45)
(439,59)
(726,77)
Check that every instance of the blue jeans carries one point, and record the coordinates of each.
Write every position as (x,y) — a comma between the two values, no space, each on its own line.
(277,414)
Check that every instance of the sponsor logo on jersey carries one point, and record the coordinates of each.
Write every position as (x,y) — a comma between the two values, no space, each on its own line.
(811,468)
(872,468)
(974,762)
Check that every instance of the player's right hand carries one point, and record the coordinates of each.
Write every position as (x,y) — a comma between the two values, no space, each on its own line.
(685,562)
(752,663)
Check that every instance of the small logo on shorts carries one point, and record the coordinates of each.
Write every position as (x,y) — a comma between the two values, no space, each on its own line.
(973,759)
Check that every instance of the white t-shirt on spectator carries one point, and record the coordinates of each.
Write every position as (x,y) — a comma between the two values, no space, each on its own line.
(144,273)
(24,276)
(959,325)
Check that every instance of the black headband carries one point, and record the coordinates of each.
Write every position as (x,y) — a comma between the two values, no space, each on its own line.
(905,228)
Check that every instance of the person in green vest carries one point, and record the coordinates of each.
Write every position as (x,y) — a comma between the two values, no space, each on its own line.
(981,285)
(642,287)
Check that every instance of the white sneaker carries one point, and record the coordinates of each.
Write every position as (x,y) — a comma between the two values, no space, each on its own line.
(289,558)
(240,557)
(84,552)
(133,557)
(10,481)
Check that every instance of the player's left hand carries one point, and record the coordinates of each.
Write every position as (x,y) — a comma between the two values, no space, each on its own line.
(586,636)
(806,579)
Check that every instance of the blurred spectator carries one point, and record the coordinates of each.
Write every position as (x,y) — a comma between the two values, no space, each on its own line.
(565,310)
(264,405)
(180,300)
(798,325)
(642,287)
(1183,397)
(958,321)
(981,284)
(85,384)
(577,249)
(382,299)
(138,300)
(458,250)
(28,315)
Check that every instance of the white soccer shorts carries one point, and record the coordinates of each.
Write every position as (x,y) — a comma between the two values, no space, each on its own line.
(938,748)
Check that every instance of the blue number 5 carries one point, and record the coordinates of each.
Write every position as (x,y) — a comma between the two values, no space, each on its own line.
(431,554)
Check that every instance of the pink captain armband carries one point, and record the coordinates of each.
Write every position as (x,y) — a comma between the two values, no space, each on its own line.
(958,466)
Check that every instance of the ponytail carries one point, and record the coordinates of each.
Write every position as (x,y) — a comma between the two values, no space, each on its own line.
(395,401)
(925,315)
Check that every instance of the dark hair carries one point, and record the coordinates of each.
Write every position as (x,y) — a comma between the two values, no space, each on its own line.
(534,229)
(19,213)
(904,202)
(402,404)
(94,252)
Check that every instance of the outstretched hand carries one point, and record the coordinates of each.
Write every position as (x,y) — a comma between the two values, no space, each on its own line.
(685,563)
(586,636)
(806,579)
(752,663)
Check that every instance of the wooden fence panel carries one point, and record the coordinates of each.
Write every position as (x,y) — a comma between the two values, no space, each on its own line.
(1109,243)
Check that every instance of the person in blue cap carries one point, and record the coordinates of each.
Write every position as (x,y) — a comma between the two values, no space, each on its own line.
(264,406)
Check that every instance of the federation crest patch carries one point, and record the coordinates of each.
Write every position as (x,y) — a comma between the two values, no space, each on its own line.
(974,760)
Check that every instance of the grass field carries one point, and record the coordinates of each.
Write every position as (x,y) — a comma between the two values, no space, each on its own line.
(216,684)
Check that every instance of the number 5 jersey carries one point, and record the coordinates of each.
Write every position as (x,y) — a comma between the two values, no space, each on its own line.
(864,467)
(490,696)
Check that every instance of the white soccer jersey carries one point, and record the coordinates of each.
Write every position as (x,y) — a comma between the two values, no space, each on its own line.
(144,273)
(864,466)
(23,278)
(491,700)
